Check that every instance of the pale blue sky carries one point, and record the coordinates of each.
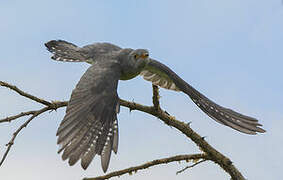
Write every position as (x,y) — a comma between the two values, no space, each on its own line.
(229,50)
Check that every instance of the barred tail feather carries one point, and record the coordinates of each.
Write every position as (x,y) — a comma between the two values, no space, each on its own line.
(65,51)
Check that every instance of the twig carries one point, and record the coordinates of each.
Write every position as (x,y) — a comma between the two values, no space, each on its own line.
(155,97)
(149,164)
(193,165)
(35,114)
(11,118)
(29,96)
(11,142)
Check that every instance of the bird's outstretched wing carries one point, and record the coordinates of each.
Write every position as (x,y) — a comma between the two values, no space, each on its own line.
(68,52)
(161,75)
(90,125)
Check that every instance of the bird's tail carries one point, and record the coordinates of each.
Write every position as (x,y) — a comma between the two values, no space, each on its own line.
(65,51)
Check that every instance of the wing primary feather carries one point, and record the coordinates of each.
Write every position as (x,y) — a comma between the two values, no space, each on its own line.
(88,127)
(116,136)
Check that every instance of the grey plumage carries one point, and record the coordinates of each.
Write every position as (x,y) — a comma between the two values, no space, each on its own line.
(68,52)
(65,51)
(91,118)
(220,114)
(90,125)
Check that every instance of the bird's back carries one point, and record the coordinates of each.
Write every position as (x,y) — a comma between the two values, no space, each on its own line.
(97,50)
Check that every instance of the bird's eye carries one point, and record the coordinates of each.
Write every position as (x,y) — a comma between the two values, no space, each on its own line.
(136,56)
(146,55)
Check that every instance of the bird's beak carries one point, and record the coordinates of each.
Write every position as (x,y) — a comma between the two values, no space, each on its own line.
(144,56)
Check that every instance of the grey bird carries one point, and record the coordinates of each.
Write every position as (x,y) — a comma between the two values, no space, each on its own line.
(90,125)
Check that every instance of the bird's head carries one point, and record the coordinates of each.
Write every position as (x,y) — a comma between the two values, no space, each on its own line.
(139,57)
(134,63)
(140,54)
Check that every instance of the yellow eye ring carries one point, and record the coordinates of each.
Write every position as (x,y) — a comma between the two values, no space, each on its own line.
(136,56)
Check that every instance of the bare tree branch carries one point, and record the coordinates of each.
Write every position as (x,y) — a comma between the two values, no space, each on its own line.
(155,110)
(155,97)
(11,118)
(193,165)
(14,88)
(215,156)
(150,164)
(11,142)
(35,114)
